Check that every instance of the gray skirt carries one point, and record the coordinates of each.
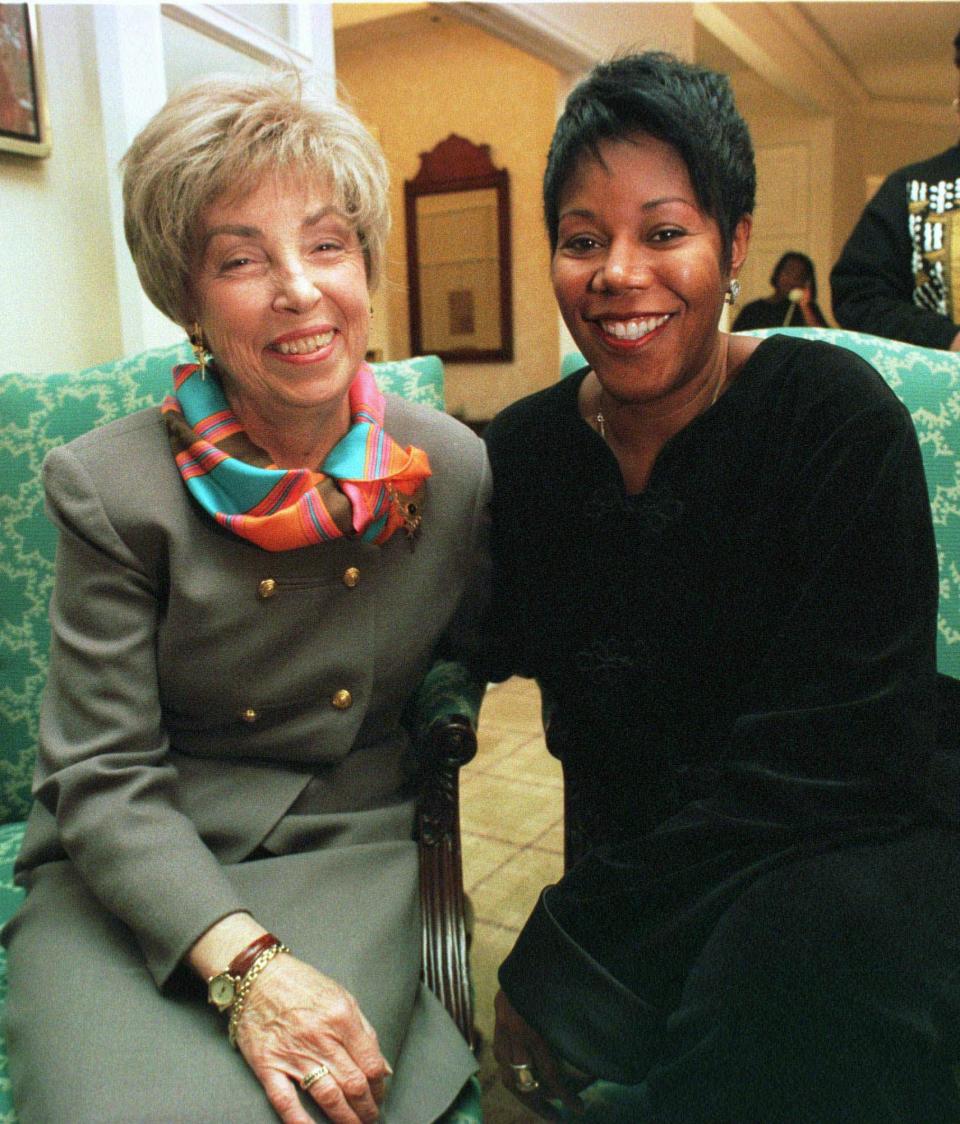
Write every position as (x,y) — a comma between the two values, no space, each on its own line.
(91,1039)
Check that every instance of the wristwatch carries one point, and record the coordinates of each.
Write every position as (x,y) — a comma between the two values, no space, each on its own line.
(222,988)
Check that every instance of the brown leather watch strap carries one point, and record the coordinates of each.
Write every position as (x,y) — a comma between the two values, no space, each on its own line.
(243,961)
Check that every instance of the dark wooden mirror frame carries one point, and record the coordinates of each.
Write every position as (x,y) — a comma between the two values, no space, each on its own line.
(456,164)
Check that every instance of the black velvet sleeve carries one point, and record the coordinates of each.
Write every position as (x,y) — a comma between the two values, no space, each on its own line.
(840,713)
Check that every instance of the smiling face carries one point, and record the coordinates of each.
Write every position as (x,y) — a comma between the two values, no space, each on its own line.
(281,295)
(639,273)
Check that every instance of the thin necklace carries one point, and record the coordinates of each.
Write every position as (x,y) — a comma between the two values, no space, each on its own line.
(601,424)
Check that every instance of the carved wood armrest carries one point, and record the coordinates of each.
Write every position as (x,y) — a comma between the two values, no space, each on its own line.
(449,743)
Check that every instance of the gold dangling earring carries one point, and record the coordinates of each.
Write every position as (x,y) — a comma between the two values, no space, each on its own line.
(199,349)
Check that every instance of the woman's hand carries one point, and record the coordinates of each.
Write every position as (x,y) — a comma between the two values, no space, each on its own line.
(802,296)
(516,1043)
(295,1020)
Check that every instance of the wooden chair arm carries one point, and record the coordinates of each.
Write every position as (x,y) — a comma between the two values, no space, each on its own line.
(450,742)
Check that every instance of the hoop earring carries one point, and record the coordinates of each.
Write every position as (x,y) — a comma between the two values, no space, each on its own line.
(732,294)
(199,348)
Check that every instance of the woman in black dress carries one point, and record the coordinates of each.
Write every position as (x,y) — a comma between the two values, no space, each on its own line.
(715,554)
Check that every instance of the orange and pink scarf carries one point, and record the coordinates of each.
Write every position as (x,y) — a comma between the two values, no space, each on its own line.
(368,485)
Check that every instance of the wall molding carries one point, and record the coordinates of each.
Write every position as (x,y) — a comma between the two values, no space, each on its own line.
(238,34)
(529,27)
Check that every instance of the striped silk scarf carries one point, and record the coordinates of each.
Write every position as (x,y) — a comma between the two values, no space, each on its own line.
(368,485)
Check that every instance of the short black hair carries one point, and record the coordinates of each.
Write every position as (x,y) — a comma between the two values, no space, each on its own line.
(686,106)
(795,255)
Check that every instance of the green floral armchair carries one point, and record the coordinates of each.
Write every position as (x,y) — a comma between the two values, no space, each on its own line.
(39,412)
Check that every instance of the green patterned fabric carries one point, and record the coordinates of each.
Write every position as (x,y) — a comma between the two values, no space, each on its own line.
(606,1103)
(571,362)
(37,413)
(464,1110)
(11,836)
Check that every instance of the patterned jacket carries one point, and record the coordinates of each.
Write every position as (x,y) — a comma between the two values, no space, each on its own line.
(899,273)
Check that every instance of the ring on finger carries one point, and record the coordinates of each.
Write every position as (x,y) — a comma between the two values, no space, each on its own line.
(524,1077)
(313,1076)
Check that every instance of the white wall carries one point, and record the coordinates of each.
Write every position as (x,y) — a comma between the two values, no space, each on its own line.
(58,295)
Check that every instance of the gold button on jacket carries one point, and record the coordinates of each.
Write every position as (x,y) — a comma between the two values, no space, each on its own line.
(351,576)
(267,588)
(342,700)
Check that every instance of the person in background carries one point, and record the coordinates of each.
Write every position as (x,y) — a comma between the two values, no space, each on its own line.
(898,275)
(252,580)
(793,302)
(716,556)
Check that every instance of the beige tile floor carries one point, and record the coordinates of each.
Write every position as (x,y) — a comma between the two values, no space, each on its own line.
(511,815)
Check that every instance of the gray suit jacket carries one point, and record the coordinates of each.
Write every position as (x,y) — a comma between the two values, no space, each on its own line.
(192,674)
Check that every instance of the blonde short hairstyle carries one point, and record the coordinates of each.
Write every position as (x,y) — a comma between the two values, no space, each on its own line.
(223,136)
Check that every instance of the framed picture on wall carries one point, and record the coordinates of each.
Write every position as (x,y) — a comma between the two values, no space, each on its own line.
(24,126)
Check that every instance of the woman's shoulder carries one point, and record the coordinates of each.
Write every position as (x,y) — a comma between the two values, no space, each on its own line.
(802,390)
(816,369)
(115,446)
(407,422)
(118,486)
(535,418)
(453,448)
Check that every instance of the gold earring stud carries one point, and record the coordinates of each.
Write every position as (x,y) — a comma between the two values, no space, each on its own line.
(199,348)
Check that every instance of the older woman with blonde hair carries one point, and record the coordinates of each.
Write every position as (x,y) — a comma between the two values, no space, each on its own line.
(251,580)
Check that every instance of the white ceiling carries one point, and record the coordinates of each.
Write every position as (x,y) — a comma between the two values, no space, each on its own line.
(881,51)
(894,51)
(897,51)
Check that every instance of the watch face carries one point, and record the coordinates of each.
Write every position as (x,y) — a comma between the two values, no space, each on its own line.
(222,990)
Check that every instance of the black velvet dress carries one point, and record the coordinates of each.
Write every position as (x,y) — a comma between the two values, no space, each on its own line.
(766,923)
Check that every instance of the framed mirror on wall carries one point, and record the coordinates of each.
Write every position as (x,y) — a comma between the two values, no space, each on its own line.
(458,255)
